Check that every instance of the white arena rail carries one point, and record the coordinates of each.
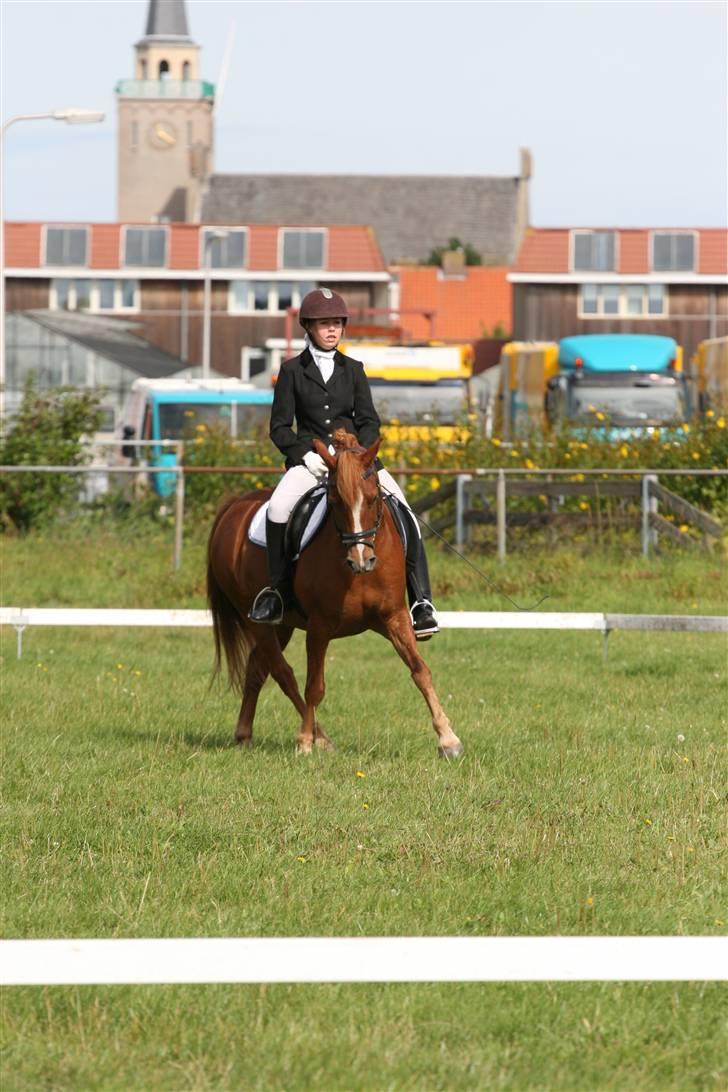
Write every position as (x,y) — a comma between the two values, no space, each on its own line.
(362,959)
(22,617)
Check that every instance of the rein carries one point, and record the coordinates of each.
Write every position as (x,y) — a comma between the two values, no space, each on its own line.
(357,538)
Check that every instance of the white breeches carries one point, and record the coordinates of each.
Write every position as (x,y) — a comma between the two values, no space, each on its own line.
(299,479)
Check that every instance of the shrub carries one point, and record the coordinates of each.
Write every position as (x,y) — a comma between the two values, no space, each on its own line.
(49,430)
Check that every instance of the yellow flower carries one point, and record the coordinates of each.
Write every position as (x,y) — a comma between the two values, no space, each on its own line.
(200,428)
(684,528)
(189,413)
(365,807)
(720,422)
(590,901)
(434,483)
(302,859)
(648,822)
(696,454)
(514,453)
(600,416)
(530,464)
(686,427)
(584,505)
(495,441)
(119,667)
(624,451)
(709,413)
(360,773)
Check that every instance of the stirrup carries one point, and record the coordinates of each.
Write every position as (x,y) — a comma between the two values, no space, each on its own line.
(268,607)
(424,620)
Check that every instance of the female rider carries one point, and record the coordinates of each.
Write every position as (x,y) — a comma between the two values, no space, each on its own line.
(324,390)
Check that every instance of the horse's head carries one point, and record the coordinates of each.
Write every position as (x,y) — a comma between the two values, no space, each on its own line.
(354,497)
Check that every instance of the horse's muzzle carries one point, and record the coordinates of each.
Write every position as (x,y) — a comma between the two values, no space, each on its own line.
(365,566)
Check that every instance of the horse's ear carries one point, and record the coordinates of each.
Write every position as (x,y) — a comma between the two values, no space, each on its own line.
(323,451)
(371,452)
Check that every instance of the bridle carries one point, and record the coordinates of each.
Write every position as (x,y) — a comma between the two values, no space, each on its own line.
(357,538)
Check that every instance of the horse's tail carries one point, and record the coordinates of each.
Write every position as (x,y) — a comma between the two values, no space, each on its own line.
(229,632)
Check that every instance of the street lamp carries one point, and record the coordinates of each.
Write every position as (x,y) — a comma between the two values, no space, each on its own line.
(72,116)
(210,238)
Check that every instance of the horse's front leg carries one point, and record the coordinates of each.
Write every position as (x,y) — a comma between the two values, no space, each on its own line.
(311,733)
(400,632)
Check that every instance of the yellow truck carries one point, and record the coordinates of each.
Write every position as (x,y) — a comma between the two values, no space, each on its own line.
(417,389)
(710,371)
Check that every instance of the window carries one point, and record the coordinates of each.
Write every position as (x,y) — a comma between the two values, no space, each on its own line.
(266,295)
(594,250)
(225,253)
(145,246)
(85,295)
(303,249)
(625,301)
(66,246)
(673,252)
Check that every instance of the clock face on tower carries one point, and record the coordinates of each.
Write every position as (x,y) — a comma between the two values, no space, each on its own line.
(162,134)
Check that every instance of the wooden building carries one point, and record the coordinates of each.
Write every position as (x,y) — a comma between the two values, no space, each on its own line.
(152,275)
(610,280)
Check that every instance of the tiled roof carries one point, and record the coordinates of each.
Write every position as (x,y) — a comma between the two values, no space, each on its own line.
(547,250)
(410,214)
(466,307)
(351,248)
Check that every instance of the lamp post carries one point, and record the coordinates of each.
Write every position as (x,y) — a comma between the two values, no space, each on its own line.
(210,238)
(72,116)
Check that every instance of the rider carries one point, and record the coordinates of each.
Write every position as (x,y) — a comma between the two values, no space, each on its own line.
(324,390)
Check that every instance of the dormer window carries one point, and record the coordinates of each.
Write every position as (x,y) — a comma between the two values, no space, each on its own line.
(673,252)
(145,246)
(302,249)
(593,252)
(66,245)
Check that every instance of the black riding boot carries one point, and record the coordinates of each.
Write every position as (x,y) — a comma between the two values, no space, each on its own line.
(271,603)
(419,592)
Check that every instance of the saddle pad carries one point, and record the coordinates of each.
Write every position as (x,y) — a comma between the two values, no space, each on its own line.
(256,531)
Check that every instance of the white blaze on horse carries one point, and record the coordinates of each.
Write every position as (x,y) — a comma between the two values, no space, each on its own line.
(349,579)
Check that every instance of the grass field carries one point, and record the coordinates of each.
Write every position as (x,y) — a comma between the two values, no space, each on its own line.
(592,800)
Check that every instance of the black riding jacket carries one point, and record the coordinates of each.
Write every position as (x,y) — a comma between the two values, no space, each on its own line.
(320,408)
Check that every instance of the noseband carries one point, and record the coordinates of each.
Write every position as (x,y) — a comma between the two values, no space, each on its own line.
(356,538)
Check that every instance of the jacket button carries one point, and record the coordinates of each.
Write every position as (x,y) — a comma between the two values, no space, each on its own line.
(326,406)
(327,421)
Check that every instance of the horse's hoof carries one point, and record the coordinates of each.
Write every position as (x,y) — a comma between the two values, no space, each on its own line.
(455,750)
(324,743)
(245,743)
(304,747)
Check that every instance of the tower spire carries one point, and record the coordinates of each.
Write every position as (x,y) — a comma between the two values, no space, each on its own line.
(167,19)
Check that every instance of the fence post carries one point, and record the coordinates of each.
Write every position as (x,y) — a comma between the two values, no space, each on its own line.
(461,507)
(500,514)
(649,505)
(179,507)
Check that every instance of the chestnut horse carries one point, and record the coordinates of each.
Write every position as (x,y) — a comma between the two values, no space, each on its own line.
(341,586)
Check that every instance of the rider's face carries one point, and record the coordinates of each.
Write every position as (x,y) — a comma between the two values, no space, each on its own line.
(326,332)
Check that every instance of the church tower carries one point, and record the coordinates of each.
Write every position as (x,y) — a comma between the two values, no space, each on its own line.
(165,123)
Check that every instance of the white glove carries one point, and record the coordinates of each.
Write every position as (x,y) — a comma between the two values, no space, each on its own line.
(315,464)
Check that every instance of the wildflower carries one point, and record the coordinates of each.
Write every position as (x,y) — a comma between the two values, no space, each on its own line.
(696,454)
(684,527)
(530,464)
(590,901)
(719,921)
(648,822)
(495,442)
(584,505)
(119,667)
(514,453)
(709,413)
(302,859)
(200,428)
(680,737)
(434,483)
(360,773)
(624,451)
(366,807)
(720,422)
(600,416)
(685,427)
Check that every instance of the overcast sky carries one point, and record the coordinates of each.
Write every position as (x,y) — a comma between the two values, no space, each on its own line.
(624,105)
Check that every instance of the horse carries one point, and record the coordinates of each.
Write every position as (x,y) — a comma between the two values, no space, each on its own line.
(342,587)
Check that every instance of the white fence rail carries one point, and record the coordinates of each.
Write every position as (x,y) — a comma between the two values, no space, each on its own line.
(362,959)
(23,617)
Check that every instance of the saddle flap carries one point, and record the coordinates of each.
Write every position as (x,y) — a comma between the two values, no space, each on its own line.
(304,522)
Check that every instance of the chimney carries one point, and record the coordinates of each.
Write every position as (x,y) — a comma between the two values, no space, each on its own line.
(453,263)
(526,163)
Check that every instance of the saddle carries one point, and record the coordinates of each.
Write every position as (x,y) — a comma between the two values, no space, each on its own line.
(307,519)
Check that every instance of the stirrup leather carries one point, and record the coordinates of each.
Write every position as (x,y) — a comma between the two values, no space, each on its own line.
(272,598)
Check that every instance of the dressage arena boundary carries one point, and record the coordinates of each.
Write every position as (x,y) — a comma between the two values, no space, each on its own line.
(167,961)
(214,960)
(21,618)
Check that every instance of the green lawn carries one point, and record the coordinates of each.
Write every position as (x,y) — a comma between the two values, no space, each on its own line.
(578,809)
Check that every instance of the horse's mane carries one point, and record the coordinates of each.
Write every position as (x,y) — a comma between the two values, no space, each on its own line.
(347,470)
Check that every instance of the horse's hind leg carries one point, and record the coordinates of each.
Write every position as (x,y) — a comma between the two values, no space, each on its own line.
(312,733)
(255,675)
(400,632)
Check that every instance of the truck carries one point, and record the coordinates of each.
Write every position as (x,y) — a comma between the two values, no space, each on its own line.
(629,381)
(417,388)
(175,410)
